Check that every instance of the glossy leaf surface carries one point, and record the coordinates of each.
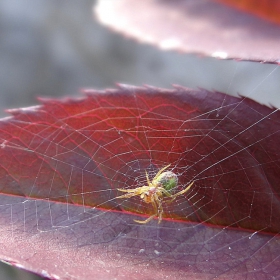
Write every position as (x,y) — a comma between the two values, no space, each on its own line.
(203,27)
(62,162)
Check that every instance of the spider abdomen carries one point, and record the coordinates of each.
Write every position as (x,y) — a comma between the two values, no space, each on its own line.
(168,180)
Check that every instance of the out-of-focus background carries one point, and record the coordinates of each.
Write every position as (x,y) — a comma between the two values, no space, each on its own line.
(53,48)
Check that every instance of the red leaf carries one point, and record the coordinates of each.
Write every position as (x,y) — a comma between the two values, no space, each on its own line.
(268,9)
(60,159)
(201,26)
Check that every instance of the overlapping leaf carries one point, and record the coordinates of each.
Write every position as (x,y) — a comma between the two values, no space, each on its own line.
(203,27)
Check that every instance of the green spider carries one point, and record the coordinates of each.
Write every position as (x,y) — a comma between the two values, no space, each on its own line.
(162,184)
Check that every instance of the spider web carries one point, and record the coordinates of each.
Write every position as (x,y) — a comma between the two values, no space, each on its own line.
(185,240)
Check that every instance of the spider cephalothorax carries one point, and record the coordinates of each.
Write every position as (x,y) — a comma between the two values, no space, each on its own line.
(161,186)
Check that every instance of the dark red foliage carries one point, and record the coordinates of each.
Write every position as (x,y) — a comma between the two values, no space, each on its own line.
(268,9)
(80,151)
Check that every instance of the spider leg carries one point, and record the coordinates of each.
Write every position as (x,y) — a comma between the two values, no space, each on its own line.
(165,192)
(145,221)
(160,211)
(137,191)
(173,197)
(155,206)
(148,180)
(127,190)
(127,195)
(160,171)
(132,192)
